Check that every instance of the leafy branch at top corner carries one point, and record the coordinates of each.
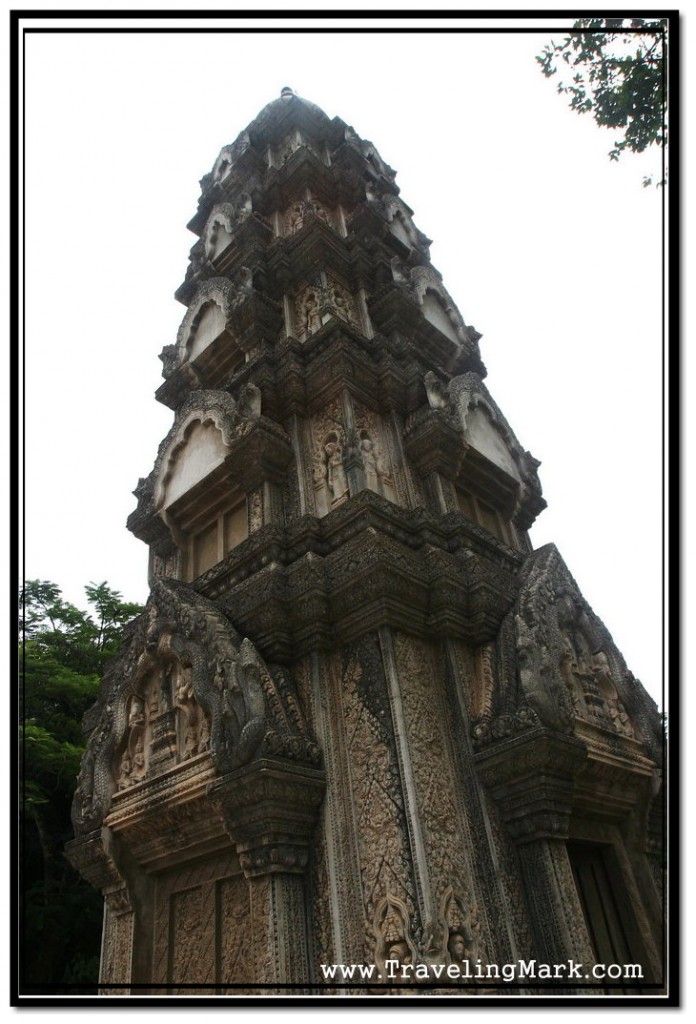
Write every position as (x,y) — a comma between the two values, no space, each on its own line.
(615,68)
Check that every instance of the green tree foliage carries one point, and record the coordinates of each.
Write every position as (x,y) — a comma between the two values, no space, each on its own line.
(615,69)
(63,651)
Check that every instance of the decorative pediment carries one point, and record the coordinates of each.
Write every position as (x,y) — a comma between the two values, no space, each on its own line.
(487,432)
(398,215)
(559,667)
(224,219)
(424,286)
(369,151)
(198,442)
(184,685)
(229,155)
(210,310)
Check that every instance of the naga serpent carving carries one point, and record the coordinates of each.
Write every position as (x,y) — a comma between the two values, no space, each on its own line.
(249,713)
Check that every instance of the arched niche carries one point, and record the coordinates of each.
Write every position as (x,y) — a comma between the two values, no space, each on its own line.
(399,228)
(435,312)
(218,237)
(201,450)
(206,321)
(204,507)
(484,434)
(222,165)
(207,325)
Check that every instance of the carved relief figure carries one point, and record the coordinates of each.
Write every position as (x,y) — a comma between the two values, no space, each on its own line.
(372,468)
(296,216)
(249,403)
(393,936)
(568,668)
(373,464)
(316,301)
(311,315)
(189,717)
(335,472)
(616,712)
(341,305)
(132,767)
(462,946)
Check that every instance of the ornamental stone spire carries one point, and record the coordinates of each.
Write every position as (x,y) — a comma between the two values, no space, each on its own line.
(360,721)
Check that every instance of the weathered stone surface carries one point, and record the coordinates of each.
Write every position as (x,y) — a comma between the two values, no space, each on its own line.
(360,720)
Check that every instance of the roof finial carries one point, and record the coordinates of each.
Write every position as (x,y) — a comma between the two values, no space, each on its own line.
(286,93)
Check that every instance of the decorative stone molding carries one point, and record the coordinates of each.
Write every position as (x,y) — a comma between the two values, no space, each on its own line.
(270,809)
(433,443)
(369,153)
(532,778)
(395,210)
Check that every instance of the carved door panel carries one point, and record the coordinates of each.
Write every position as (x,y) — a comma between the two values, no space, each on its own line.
(202,926)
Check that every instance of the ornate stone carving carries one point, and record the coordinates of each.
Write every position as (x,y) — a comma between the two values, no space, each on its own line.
(220,290)
(368,435)
(564,661)
(396,212)
(229,155)
(316,303)
(296,216)
(334,472)
(393,936)
(193,728)
(229,216)
(462,926)
(369,152)
(133,767)
(233,419)
(411,621)
(377,801)
(439,817)
(184,637)
(438,398)
(249,403)
(236,963)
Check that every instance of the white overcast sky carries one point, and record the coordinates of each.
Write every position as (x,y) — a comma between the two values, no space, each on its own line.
(550,250)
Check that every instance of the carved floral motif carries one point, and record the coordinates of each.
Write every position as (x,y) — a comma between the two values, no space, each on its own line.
(384,861)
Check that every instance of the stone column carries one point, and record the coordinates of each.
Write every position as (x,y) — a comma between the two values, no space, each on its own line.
(269,809)
(532,779)
(128,909)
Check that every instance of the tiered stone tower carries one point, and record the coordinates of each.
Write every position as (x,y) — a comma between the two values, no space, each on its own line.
(360,719)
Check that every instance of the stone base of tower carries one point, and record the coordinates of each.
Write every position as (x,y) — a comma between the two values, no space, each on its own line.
(446,824)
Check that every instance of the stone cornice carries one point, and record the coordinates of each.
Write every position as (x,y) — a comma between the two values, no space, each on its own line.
(367,562)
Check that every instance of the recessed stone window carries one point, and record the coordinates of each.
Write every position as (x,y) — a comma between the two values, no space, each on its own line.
(211,537)
(489,518)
